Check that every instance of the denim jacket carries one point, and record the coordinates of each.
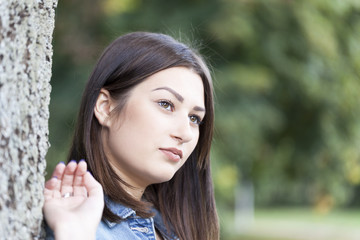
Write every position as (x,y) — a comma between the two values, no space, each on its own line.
(131,228)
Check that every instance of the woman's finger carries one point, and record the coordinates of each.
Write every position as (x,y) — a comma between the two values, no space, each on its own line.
(68,178)
(59,170)
(50,185)
(53,185)
(57,174)
(93,187)
(79,188)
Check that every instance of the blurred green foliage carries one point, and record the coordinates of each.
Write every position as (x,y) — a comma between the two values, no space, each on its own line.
(287,81)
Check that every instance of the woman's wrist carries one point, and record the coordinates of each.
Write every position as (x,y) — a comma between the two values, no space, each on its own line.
(70,231)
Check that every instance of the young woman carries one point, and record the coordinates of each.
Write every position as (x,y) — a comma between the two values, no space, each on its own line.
(144,129)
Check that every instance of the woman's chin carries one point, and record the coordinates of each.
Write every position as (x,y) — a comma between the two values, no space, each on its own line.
(163,178)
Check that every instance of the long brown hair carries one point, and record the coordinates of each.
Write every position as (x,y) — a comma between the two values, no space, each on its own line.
(186,202)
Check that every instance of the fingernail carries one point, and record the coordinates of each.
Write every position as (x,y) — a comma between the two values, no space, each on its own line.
(82,160)
(55,177)
(61,162)
(72,161)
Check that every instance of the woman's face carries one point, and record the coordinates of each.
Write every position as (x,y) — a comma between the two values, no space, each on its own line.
(158,128)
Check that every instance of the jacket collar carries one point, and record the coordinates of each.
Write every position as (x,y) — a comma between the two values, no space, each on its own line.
(118,209)
(126,212)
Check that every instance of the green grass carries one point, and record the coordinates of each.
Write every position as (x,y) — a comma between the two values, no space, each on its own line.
(244,237)
(349,217)
(297,224)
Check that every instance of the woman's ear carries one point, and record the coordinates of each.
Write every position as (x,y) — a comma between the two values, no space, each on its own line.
(103,107)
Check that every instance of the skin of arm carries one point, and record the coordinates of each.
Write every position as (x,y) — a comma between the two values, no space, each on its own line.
(78,215)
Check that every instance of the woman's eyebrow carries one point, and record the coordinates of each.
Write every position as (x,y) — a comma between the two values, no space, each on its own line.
(199,109)
(177,95)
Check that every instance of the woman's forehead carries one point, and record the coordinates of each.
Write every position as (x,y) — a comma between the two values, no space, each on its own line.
(179,81)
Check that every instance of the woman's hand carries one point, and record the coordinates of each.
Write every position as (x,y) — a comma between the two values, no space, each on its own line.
(74,202)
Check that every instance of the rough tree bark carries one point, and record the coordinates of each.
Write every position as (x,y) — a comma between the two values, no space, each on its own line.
(26,28)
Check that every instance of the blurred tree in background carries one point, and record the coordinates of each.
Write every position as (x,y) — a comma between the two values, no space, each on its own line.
(287,81)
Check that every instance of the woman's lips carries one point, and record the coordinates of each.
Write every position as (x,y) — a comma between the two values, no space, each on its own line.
(173,154)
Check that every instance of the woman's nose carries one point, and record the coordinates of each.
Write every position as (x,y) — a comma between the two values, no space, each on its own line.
(182,130)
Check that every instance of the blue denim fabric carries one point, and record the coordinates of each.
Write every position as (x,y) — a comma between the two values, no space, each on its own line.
(131,228)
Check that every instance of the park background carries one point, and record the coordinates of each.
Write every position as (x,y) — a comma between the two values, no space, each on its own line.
(286,151)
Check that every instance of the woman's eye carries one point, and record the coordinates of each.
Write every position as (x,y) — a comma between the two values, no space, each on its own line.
(166,105)
(195,119)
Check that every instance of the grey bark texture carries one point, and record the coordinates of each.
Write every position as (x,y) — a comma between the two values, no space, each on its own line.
(26,28)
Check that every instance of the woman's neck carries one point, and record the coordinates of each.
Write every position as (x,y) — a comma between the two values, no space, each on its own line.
(134,189)
(134,192)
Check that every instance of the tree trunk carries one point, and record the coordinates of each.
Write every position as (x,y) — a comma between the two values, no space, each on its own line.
(26,28)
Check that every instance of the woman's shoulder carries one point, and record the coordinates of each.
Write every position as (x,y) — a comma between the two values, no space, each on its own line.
(132,226)
(161,226)
(116,230)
